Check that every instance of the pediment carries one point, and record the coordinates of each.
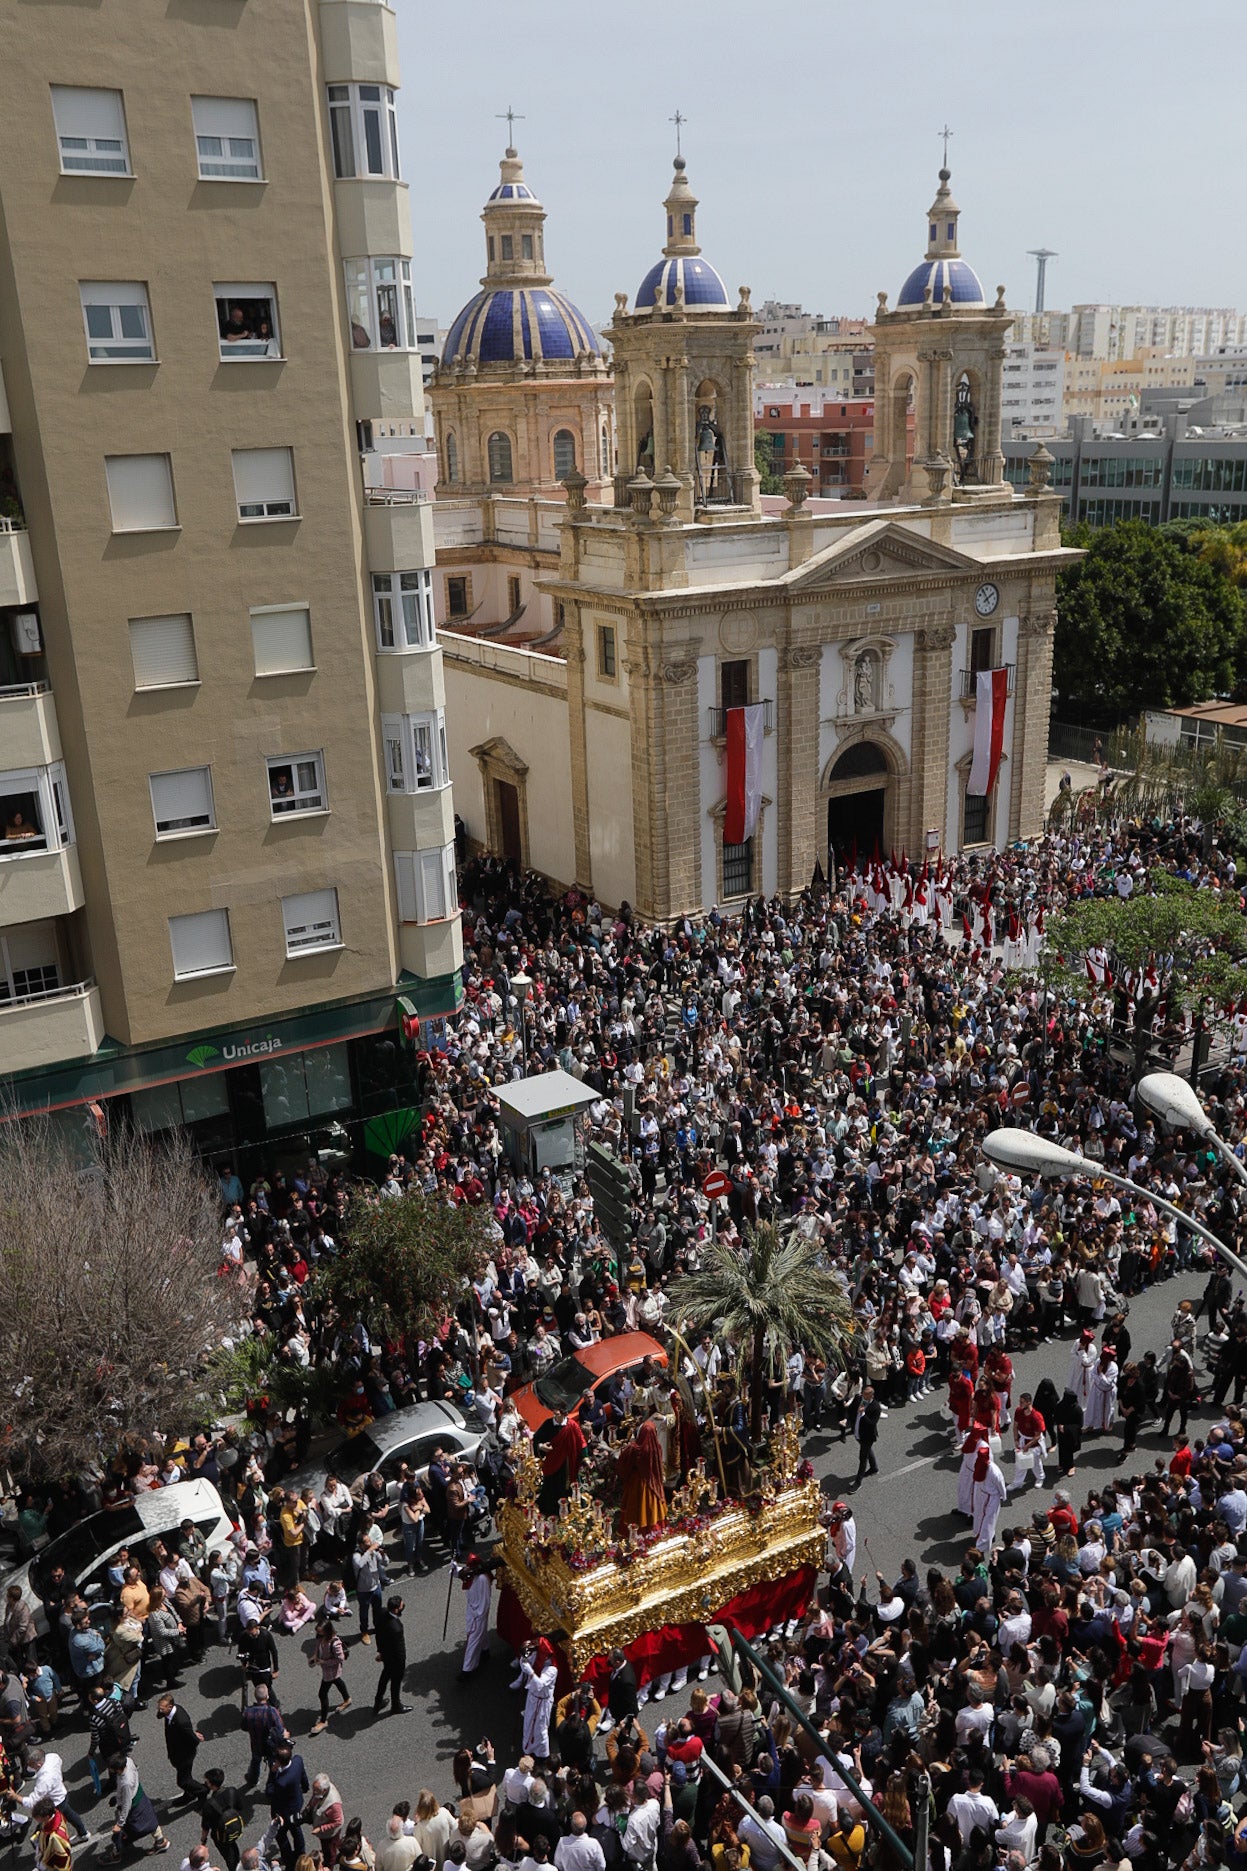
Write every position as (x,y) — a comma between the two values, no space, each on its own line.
(500,757)
(874,553)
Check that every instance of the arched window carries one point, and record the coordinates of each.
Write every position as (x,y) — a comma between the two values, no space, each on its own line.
(499,456)
(606,451)
(452,457)
(564,454)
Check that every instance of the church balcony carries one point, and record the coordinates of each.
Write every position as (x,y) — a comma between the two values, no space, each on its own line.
(970,677)
(718,720)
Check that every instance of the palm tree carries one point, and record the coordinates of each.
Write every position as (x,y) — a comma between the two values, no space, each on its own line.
(770,1293)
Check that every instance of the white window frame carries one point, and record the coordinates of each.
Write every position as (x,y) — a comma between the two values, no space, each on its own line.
(426,882)
(218,967)
(402,609)
(259,612)
(351,107)
(247,350)
(267,510)
(312,922)
(102,151)
(170,525)
(47,785)
(187,682)
(191,824)
(374,283)
(416,757)
(117,297)
(308,795)
(229,164)
(40,936)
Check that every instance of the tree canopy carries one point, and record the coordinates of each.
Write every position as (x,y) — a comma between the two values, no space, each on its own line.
(405,1261)
(1147,620)
(771,477)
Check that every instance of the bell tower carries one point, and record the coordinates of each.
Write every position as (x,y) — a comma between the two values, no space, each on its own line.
(683,360)
(939,358)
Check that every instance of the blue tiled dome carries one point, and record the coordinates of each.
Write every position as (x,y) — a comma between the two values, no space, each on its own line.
(511,325)
(514,191)
(962,278)
(703,288)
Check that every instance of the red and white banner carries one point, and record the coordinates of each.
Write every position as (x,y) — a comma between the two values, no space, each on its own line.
(744,772)
(991,697)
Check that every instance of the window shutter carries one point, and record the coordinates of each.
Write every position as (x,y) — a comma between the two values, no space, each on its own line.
(405,877)
(311,919)
(182,799)
(432,884)
(163,651)
(201,942)
(262,474)
(224,116)
(140,492)
(395,764)
(82,112)
(282,640)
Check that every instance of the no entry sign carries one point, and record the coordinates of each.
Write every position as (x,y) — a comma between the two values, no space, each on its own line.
(716,1185)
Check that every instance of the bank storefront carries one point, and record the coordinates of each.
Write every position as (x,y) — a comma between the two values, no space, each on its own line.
(338,1081)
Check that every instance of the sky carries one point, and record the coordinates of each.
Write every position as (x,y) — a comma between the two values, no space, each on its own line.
(1093,127)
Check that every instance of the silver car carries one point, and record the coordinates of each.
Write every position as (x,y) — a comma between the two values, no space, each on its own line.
(409,1435)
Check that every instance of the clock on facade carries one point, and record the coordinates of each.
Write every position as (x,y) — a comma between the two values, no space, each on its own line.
(986,598)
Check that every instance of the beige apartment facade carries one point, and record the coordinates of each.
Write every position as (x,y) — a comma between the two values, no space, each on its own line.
(226,862)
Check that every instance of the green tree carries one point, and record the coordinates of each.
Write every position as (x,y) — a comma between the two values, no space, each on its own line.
(764,462)
(1144,622)
(1194,942)
(405,1261)
(768,1295)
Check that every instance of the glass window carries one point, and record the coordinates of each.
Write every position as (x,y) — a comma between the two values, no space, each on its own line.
(182,801)
(974,819)
(296,783)
(526,246)
(140,493)
(264,483)
(183,1101)
(403,610)
(500,456)
(380,305)
(738,869)
(605,451)
(227,138)
(163,652)
(311,921)
(508,247)
(606,652)
(281,636)
(564,454)
(416,752)
(458,597)
(246,320)
(118,322)
(200,944)
(427,887)
(90,130)
(29,962)
(363,131)
(452,457)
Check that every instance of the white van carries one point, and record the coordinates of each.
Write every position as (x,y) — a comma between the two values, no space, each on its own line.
(87,1548)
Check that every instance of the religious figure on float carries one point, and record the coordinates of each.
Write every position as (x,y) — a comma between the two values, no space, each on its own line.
(560,1461)
(639,1466)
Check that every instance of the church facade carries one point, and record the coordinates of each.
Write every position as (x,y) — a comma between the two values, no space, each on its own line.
(593,745)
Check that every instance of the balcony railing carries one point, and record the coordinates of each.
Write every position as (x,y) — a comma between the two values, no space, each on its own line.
(68,990)
(395,496)
(718,720)
(14,690)
(10,525)
(970,678)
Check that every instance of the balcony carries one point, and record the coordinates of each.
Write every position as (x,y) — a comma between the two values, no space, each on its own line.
(373,214)
(418,821)
(29,736)
(359,40)
(386,385)
(970,677)
(398,529)
(17,567)
(432,949)
(51,1027)
(38,883)
(718,721)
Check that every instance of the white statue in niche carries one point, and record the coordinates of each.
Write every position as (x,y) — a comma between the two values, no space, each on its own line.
(865,671)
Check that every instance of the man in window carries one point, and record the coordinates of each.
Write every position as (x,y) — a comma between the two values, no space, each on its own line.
(237,326)
(281,789)
(18,827)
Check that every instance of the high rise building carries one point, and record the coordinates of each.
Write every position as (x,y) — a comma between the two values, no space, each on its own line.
(227,877)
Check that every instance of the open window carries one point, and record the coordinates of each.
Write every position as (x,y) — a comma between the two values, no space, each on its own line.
(296,783)
(34,811)
(380,305)
(246,318)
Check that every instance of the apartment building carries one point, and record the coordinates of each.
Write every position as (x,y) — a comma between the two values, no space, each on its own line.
(227,881)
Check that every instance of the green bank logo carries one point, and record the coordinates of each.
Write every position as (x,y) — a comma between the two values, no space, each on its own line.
(200,1055)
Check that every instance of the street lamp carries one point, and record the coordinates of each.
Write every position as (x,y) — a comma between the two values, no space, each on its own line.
(522,987)
(1027,1154)
(1175,1103)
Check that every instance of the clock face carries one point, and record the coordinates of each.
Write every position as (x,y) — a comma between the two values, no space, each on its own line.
(986,598)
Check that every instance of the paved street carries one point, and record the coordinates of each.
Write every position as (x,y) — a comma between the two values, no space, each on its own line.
(905,1510)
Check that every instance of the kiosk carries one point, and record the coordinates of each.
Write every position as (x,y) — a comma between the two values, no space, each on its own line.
(540,1122)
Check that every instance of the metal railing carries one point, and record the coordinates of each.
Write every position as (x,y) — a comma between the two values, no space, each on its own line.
(68,990)
(395,496)
(10,525)
(718,720)
(970,678)
(12,691)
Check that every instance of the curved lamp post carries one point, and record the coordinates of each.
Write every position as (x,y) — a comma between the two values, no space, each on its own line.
(1176,1105)
(1024,1152)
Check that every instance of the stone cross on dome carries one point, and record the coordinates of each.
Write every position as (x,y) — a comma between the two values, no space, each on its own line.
(510,118)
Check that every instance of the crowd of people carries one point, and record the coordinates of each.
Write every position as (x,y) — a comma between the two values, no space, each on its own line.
(842,1058)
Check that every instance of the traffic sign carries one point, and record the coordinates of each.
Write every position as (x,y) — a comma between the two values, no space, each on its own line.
(716,1185)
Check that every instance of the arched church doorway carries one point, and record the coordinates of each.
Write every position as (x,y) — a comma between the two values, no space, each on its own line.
(856,804)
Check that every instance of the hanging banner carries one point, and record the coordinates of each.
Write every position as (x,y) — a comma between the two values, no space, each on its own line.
(991,699)
(745,728)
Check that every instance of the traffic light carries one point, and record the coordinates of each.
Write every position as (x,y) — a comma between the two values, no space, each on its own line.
(611,1189)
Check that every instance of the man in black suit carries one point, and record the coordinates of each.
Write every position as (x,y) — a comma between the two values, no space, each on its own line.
(392,1656)
(621,1696)
(182,1740)
(866,1429)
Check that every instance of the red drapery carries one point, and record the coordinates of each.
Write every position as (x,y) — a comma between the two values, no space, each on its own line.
(655,1653)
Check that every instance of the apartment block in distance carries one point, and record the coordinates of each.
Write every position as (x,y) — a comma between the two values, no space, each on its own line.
(227,879)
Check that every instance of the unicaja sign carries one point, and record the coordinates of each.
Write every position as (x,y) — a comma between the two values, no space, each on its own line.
(251,1052)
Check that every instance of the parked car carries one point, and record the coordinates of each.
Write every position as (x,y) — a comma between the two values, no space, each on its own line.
(87,1548)
(409,1435)
(564,1385)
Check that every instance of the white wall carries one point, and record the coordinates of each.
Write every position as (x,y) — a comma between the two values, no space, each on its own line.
(479,706)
